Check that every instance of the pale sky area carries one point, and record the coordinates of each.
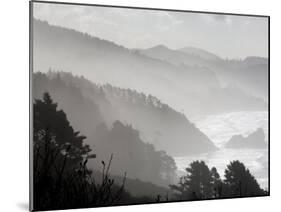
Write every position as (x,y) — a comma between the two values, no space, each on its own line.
(228,36)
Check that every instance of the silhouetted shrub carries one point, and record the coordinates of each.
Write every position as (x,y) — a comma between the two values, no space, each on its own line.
(61,177)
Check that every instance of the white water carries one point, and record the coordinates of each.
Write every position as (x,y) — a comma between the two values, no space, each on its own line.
(220,128)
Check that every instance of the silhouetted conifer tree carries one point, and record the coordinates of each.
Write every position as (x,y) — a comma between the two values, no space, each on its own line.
(197,184)
(240,182)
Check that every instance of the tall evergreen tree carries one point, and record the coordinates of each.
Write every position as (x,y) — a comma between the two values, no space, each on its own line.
(240,181)
(197,184)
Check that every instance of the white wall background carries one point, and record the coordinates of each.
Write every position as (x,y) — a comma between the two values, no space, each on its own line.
(14,103)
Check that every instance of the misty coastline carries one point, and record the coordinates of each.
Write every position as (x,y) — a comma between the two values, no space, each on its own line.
(204,84)
(142,125)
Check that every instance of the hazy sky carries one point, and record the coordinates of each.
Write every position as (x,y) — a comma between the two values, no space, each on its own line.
(226,36)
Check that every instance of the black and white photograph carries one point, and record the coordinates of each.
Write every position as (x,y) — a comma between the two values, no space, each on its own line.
(138,106)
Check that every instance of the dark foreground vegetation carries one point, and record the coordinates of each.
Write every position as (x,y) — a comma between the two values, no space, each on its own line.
(204,183)
(62,179)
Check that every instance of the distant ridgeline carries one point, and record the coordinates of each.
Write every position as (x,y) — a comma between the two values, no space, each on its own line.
(255,140)
(118,121)
(191,80)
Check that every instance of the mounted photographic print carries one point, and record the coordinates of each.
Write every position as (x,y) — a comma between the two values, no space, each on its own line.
(138,105)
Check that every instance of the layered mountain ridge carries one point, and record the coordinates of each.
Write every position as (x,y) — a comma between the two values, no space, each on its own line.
(157,122)
(196,83)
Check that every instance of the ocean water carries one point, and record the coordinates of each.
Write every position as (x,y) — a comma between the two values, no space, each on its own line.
(220,128)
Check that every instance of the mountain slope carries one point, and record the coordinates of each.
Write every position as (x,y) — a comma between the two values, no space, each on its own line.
(131,154)
(104,62)
(249,75)
(175,57)
(200,53)
(158,123)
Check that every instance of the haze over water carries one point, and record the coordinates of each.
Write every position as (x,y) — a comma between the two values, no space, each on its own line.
(220,128)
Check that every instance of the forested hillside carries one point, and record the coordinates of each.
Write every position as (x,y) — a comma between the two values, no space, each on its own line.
(200,81)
